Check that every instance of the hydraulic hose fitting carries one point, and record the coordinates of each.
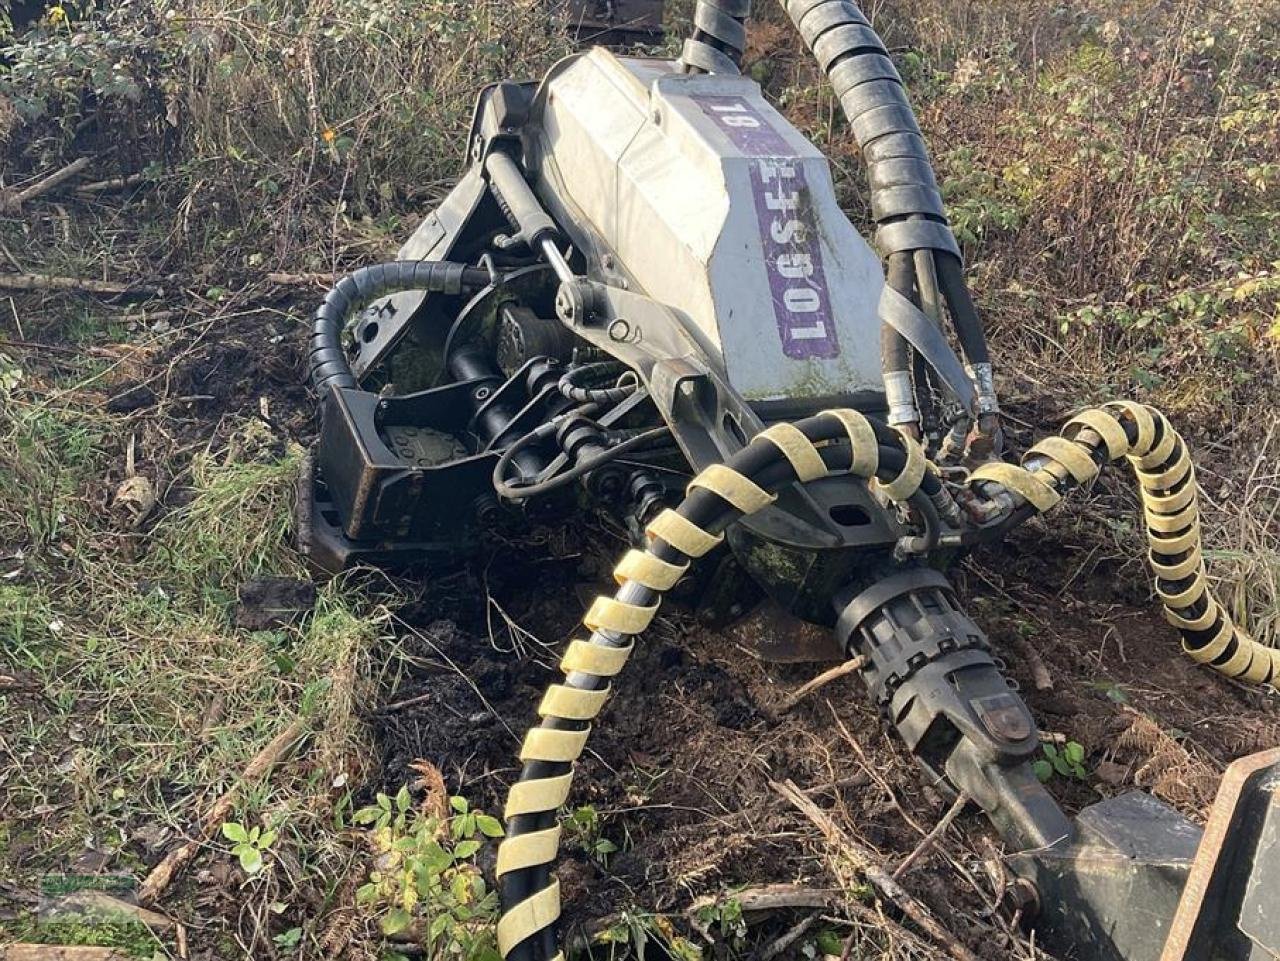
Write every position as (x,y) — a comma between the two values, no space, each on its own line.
(900,396)
(988,437)
(581,439)
(646,494)
(984,383)
(947,507)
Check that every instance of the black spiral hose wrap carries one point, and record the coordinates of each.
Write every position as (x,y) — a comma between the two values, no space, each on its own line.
(906,202)
(719,37)
(326,356)
(834,441)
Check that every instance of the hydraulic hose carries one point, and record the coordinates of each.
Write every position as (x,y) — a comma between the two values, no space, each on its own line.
(719,37)
(326,356)
(835,441)
(571,384)
(895,352)
(1162,465)
(906,202)
(509,491)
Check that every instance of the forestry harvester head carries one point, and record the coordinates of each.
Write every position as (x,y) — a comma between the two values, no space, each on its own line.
(643,294)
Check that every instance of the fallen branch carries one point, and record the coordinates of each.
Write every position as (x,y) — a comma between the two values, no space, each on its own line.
(110,184)
(105,288)
(866,862)
(62,952)
(769,897)
(286,279)
(826,677)
(14,201)
(930,839)
(173,863)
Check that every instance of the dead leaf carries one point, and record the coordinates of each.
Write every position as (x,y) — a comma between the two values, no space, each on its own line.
(135,499)
(435,803)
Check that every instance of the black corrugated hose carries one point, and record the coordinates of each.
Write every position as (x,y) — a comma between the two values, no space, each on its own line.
(326,356)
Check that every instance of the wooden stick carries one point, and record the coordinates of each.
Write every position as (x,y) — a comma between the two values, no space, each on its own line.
(866,862)
(111,183)
(49,282)
(826,677)
(930,839)
(44,185)
(787,939)
(1040,675)
(163,873)
(286,279)
(771,897)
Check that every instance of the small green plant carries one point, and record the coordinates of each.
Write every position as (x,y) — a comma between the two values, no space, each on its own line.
(1067,762)
(585,828)
(1111,690)
(424,870)
(725,917)
(249,844)
(828,942)
(288,940)
(633,932)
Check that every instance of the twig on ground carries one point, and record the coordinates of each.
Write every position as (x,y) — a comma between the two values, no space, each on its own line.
(35,345)
(860,779)
(770,897)
(163,873)
(826,677)
(874,774)
(867,863)
(110,184)
(1040,675)
(929,840)
(62,952)
(788,938)
(879,921)
(407,702)
(287,279)
(106,288)
(14,201)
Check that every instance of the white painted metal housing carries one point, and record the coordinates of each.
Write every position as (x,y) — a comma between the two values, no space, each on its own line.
(710,202)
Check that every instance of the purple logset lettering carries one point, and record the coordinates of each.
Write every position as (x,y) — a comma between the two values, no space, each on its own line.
(792,254)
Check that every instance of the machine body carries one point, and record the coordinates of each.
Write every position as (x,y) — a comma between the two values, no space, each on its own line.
(643,297)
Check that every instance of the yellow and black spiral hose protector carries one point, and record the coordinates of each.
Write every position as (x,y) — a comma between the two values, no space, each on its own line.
(1170,504)
(835,441)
